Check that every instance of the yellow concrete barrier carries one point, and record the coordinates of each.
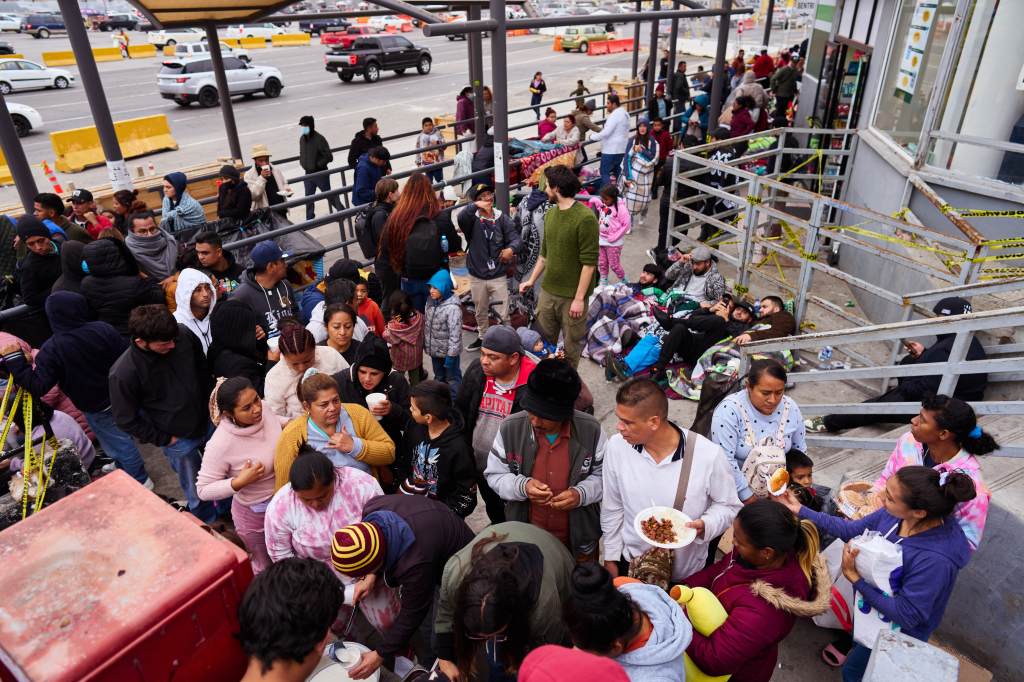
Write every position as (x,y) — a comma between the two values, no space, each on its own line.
(16,55)
(142,51)
(290,39)
(61,58)
(233,42)
(253,43)
(5,172)
(106,54)
(79,148)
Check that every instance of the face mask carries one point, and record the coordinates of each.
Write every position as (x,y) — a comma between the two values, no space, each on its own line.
(305,130)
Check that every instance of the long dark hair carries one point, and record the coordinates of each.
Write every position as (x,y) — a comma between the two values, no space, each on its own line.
(493,595)
(769,524)
(597,614)
(934,492)
(957,417)
(310,468)
(416,202)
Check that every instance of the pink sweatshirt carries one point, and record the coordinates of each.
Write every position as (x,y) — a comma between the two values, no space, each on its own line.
(225,456)
(614,221)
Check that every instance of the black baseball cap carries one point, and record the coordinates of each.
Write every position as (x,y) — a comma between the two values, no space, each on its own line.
(479,189)
(80,196)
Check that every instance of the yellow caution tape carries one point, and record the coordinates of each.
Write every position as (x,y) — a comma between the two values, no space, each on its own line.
(962,255)
(982,213)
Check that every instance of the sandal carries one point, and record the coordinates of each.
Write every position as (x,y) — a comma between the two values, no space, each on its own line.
(832,657)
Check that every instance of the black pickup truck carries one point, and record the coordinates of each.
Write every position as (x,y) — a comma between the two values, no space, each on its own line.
(370,55)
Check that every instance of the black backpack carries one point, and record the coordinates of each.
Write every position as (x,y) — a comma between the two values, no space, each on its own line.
(423,250)
(714,389)
(364,233)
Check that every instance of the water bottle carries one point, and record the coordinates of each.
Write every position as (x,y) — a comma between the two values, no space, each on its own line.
(825,355)
(444,248)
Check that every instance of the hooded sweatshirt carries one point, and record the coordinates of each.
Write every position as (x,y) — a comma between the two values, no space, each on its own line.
(931,562)
(36,274)
(188,280)
(442,468)
(77,357)
(182,212)
(113,286)
(71,274)
(660,659)
(270,305)
(156,254)
(763,605)
(443,319)
(235,351)
(373,353)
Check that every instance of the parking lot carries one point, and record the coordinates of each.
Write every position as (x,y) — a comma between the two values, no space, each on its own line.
(400,102)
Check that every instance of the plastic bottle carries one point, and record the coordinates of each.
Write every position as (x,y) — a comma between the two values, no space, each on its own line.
(706,614)
(826,354)
(444,248)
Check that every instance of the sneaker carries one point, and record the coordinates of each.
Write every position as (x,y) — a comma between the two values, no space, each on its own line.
(108,467)
(149,484)
(619,369)
(652,255)
(475,346)
(602,282)
(817,425)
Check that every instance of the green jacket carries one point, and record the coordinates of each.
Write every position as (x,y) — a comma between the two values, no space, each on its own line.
(314,152)
(546,624)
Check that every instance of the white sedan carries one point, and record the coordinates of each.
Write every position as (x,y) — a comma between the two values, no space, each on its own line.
(10,22)
(175,36)
(389,21)
(264,31)
(21,74)
(26,119)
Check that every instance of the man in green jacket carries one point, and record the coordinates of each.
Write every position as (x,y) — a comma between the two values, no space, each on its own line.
(546,461)
(568,261)
(783,84)
(314,156)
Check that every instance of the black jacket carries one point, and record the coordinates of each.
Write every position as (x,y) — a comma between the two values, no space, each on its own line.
(483,158)
(678,89)
(155,397)
(437,535)
(454,470)
(36,275)
(393,385)
(968,387)
(113,286)
(360,145)
(270,305)
(235,350)
(71,274)
(484,242)
(314,152)
(230,277)
(77,357)
(234,200)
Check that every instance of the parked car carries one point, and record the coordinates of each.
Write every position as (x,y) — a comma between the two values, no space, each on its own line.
(317,27)
(186,50)
(175,35)
(10,22)
(369,56)
(264,31)
(21,74)
(6,48)
(579,37)
(44,25)
(192,80)
(388,21)
(116,22)
(346,37)
(25,118)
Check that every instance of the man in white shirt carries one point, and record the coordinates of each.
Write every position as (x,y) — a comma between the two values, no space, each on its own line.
(614,137)
(642,467)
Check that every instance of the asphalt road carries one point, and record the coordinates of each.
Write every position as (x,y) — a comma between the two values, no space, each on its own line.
(399,102)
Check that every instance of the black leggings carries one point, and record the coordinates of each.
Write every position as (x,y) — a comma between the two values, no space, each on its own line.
(840,422)
(687,344)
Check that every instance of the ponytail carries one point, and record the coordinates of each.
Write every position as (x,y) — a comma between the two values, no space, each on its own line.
(935,492)
(770,524)
(807,547)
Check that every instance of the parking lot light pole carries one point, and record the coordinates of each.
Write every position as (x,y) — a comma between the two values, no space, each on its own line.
(499,86)
(223,93)
(93,86)
(21,172)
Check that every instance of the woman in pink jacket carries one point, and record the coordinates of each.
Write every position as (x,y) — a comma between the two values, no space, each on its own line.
(946,437)
(239,461)
(614,221)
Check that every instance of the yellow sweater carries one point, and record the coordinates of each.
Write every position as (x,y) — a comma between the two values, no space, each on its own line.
(378,448)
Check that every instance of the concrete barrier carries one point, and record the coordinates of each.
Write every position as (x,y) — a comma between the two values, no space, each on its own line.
(60,58)
(290,40)
(557,45)
(598,47)
(142,51)
(5,172)
(16,55)
(407,27)
(252,43)
(106,54)
(79,148)
(233,42)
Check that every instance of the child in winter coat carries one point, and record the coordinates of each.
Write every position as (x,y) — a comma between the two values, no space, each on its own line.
(614,220)
(443,341)
(440,461)
(404,334)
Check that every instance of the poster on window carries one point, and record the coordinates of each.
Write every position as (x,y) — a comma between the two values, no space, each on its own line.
(913,50)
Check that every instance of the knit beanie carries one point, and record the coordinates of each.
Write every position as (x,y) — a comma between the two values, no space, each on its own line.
(30,226)
(373,353)
(357,549)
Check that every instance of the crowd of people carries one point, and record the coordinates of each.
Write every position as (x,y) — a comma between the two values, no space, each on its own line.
(311,427)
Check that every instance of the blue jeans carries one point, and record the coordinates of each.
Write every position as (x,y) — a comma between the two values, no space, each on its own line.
(451,376)
(609,163)
(535,103)
(856,663)
(320,183)
(418,290)
(118,445)
(185,458)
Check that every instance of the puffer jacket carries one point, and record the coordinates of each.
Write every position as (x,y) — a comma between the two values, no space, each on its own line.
(443,318)
(113,286)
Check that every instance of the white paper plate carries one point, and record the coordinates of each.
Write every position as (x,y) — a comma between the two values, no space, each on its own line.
(684,535)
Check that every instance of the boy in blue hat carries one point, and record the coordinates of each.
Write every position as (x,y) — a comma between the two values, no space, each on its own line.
(442,339)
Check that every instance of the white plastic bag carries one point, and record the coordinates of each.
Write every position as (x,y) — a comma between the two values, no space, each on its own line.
(840,613)
(878,557)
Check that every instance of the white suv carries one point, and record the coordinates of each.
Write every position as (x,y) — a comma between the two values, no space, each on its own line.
(174,36)
(192,80)
(264,31)
(186,50)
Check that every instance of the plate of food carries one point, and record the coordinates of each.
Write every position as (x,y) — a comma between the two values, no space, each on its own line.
(664,527)
(855,499)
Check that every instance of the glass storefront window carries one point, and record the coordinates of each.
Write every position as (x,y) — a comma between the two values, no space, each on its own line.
(922,30)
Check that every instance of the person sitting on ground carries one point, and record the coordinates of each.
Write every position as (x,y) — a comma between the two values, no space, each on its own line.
(651,276)
(180,212)
(49,207)
(405,542)
(404,334)
(435,459)
(506,586)
(696,275)
(340,321)
(780,322)
(85,215)
(347,433)
(364,140)
(234,198)
(689,338)
(644,466)
(773,575)
(113,285)
(195,299)
(210,257)
(155,250)
(917,503)
(159,391)
(442,323)
(285,619)
(299,352)
(370,168)
(917,388)
(264,288)
(239,347)
(566,134)
(40,267)
(238,462)
(637,625)
(551,662)
(266,182)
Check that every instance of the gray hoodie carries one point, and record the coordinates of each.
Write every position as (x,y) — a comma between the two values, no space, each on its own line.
(661,658)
